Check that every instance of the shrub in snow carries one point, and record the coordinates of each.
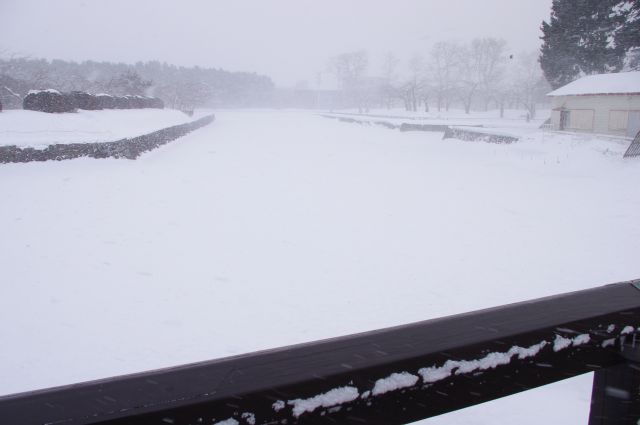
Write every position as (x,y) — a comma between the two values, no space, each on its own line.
(157,103)
(49,101)
(122,102)
(152,102)
(85,100)
(136,102)
(54,101)
(145,101)
(105,101)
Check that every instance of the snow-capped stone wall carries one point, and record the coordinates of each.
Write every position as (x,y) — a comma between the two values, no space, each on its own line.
(124,148)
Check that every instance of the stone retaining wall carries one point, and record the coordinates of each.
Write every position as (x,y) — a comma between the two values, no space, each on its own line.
(449,132)
(424,127)
(124,148)
(477,136)
(362,122)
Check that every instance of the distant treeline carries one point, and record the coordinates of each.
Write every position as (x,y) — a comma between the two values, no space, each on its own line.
(179,87)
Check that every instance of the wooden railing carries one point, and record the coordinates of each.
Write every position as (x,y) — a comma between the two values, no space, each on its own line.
(389,376)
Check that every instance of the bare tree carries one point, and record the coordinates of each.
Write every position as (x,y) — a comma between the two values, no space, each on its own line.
(350,69)
(481,66)
(528,82)
(443,69)
(389,91)
(414,88)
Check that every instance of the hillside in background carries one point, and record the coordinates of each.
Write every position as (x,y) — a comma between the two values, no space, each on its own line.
(179,87)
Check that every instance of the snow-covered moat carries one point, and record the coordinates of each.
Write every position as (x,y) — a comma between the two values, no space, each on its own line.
(266,229)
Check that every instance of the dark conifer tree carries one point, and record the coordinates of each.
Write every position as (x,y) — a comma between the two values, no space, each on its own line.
(579,39)
(558,57)
(627,36)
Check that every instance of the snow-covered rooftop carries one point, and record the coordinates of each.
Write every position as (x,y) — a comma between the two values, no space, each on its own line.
(619,83)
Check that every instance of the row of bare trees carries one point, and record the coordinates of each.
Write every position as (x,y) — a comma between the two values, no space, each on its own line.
(479,75)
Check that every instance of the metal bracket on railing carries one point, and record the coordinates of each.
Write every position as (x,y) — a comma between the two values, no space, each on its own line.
(630,348)
(615,398)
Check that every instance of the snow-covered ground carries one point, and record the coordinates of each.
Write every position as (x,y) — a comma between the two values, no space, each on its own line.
(39,129)
(271,228)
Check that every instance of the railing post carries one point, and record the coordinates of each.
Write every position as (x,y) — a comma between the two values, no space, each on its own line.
(615,399)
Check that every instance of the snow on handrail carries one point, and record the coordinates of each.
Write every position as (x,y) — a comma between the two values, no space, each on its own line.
(388,376)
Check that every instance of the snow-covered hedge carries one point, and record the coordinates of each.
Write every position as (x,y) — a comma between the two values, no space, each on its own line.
(54,101)
(48,101)
(125,148)
(85,101)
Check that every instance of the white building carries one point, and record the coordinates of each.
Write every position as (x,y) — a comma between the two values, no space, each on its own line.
(605,104)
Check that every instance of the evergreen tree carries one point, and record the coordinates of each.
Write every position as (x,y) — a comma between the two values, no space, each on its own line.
(557,55)
(579,40)
(627,35)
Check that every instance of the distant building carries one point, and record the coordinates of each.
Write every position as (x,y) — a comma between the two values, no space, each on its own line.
(604,104)
(321,94)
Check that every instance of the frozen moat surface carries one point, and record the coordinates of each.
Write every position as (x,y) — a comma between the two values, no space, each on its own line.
(272,228)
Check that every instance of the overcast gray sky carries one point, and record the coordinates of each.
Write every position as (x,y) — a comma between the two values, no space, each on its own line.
(289,40)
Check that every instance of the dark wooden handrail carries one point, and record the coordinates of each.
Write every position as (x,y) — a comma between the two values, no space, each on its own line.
(389,376)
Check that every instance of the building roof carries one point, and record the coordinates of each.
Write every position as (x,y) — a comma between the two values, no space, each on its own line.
(618,83)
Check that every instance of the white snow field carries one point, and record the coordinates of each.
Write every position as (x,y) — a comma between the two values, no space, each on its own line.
(265,229)
(38,129)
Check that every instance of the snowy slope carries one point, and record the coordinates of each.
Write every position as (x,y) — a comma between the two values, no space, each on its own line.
(38,129)
(271,228)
